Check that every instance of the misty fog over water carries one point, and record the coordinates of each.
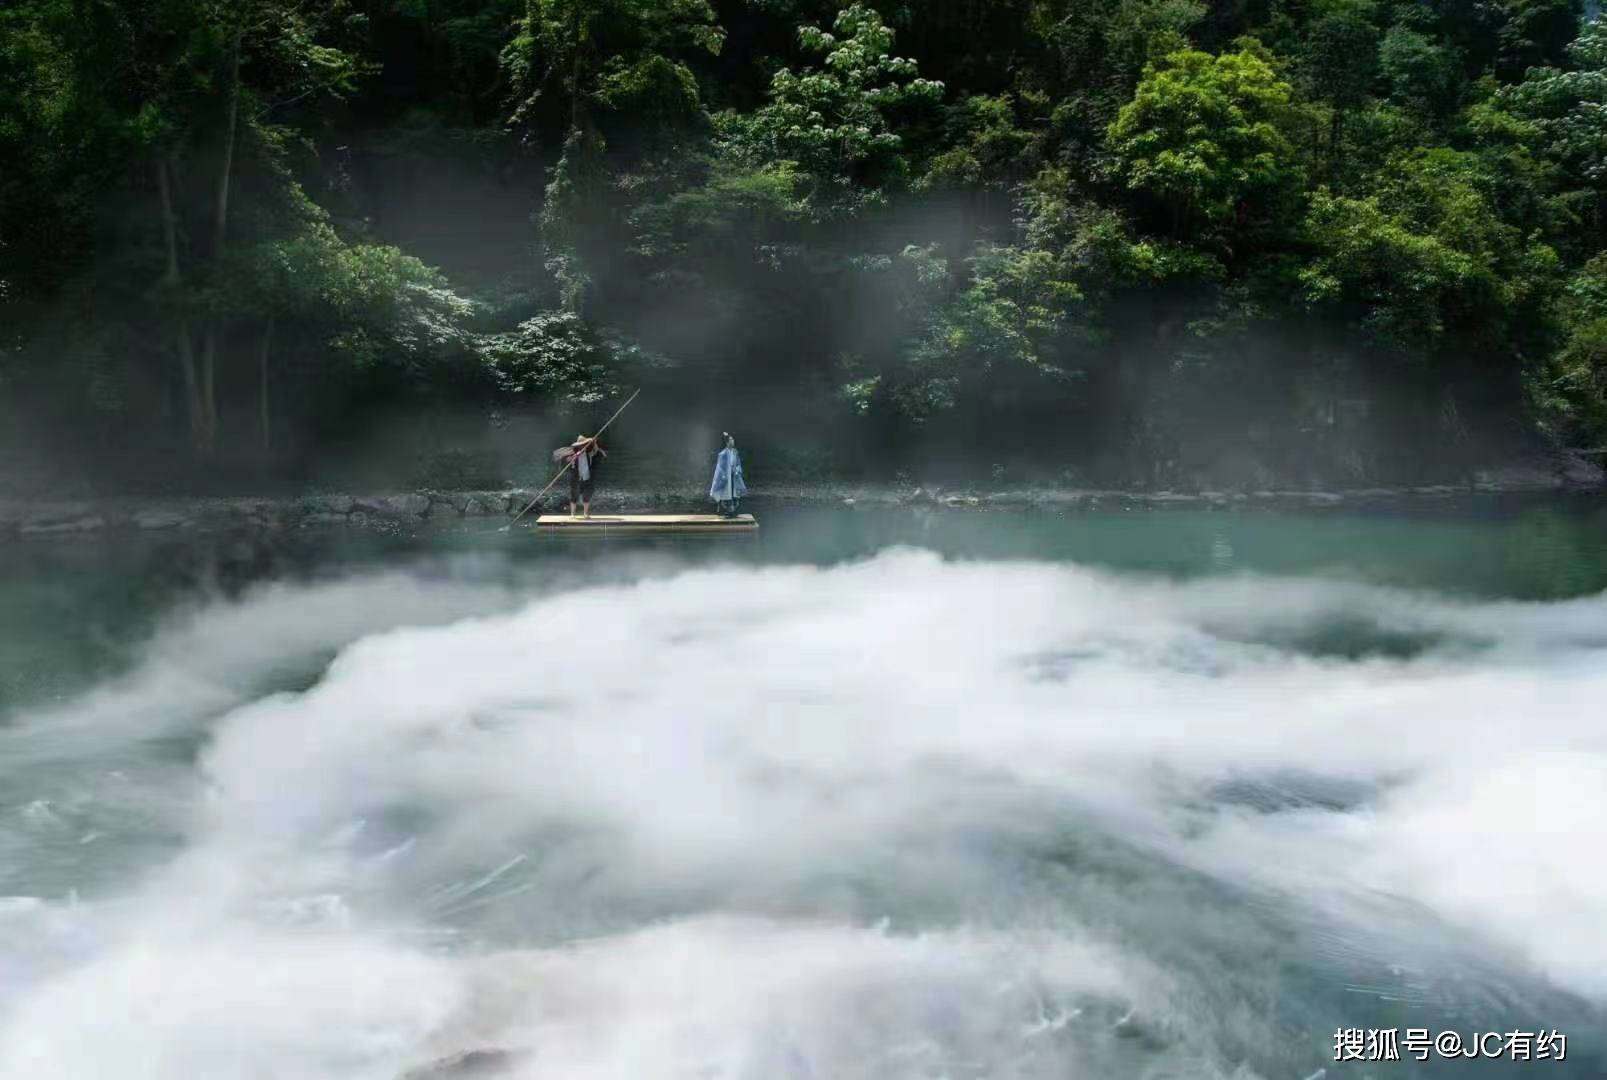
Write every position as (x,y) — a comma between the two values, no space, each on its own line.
(1146,796)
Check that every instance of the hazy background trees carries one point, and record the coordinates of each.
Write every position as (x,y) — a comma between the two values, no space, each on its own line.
(1122,241)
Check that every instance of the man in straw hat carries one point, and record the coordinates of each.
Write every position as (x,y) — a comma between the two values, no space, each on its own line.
(582,458)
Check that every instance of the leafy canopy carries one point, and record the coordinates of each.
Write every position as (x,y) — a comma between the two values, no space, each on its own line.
(837,122)
(1207,135)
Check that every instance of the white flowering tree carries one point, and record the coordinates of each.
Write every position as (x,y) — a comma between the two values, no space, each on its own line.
(836,122)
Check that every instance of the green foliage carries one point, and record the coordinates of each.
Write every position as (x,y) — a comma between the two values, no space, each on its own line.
(1117,38)
(1570,389)
(62,136)
(1096,52)
(1569,107)
(835,124)
(1014,310)
(1420,74)
(989,149)
(595,69)
(1339,58)
(733,198)
(1426,257)
(1089,223)
(1207,136)
(1535,32)
(620,55)
(557,355)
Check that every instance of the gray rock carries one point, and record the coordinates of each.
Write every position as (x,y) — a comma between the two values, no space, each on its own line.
(411,505)
(250,507)
(55,513)
(1515,478)
(1578,471)
(162,519)
(88,523)
(327,504)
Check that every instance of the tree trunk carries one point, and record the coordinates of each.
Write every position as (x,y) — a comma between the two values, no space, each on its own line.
(220,225)
(1336,132)
(170,225)
(574,71)
(221,222)
(264,414)
(209,388)
(185,348)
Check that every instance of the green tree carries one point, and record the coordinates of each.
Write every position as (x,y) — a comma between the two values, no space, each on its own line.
(558,355)
(1207,136)
(1570,389)
(989,148)
(1095,51)
(1535,33)
(63,136)
(1569,107)
(574,63)
(1420,74)
(1426,263)
(574,59)
(1338,65)
(223,71)
(836,124)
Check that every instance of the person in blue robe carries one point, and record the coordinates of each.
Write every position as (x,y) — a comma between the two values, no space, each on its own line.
(728,487)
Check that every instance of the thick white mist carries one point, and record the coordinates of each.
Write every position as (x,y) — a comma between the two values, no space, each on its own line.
(654,828)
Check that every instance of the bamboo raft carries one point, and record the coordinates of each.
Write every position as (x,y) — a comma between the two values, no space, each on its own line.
(616,526)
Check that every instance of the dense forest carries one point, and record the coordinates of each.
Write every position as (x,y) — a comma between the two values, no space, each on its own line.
(1144,242)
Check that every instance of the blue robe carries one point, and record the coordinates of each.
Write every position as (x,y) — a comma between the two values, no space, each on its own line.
(728,485)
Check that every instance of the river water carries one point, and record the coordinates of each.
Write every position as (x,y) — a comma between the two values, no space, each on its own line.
(879,795)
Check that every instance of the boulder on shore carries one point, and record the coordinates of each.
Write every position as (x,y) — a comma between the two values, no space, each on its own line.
(394,506)
(88,524)
(162,519)
(327,504)
(1579,471)
(485,504)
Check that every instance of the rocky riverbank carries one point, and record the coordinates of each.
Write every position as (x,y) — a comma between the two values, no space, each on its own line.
(404,510)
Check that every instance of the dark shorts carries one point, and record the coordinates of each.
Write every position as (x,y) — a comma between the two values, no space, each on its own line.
(580,490)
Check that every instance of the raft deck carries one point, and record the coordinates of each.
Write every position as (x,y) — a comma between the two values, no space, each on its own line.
(613,526)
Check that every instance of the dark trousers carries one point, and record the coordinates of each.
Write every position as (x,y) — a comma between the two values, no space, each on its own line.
(580,490)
